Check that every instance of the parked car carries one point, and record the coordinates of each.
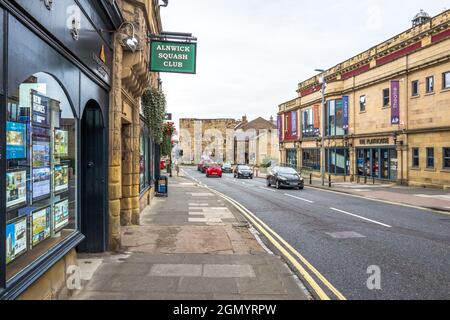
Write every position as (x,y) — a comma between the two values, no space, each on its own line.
(205,166)
(227,168)
(284,177)
(243,171)
(214,170)
(200,165)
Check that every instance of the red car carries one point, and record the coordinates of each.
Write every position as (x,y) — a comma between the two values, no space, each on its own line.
(214,170)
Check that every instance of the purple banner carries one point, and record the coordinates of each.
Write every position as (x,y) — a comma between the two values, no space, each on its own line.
(294,123)
(345,112)
(395,102)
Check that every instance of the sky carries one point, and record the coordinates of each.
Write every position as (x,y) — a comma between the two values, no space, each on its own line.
(253,53)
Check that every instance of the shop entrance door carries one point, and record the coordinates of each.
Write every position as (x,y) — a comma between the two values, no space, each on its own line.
(93,171)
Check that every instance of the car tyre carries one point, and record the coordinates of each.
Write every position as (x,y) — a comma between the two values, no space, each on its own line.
(278,185)
(268,183)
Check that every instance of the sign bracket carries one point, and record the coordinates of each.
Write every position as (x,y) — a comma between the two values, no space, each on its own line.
(178,36)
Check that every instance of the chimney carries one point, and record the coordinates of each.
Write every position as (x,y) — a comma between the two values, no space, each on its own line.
(271,118)
(244,119)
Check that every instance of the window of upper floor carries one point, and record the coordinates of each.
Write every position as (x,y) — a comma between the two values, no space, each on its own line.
(386,98)
(429,84)
(362,103)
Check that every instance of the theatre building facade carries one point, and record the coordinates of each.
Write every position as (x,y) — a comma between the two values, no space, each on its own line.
(387,112)
(55,80)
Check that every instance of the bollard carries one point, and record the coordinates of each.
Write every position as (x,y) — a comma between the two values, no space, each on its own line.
(373,180)
(310,178)
(329,180)
(365,179)
(358,179)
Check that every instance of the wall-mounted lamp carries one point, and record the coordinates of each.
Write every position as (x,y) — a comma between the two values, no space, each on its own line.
(130,41)
(395,138)
(347,142)
(318,141)
(165,3)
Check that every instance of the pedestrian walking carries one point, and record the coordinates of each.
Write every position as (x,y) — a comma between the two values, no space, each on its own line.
(177,168)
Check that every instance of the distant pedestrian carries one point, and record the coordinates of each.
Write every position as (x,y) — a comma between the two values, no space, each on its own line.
(177,168)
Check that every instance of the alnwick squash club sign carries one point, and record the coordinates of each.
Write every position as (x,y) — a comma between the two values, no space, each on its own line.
(172,56)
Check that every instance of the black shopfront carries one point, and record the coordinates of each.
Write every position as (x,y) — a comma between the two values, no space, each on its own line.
(55,79)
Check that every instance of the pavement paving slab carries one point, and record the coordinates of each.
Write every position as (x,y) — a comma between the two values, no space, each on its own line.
(190,246)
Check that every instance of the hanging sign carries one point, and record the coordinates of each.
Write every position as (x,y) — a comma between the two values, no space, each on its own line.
(171,56)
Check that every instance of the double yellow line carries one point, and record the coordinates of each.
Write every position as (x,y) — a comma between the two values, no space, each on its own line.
(288,251)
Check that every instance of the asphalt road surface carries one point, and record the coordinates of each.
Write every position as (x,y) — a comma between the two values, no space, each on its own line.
(343,236)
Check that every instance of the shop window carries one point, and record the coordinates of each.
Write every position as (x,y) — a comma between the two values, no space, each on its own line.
(446,80)
(430,84)
(41,175)
(291,158)
(430,158)
(446,153)
(362,103)
(311,159)
(415,157)
(386,97)
(335,118)
(337,161)
(415,88)
(378,163)
(146,163)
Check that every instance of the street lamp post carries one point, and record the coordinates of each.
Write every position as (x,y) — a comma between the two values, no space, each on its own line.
(323,126)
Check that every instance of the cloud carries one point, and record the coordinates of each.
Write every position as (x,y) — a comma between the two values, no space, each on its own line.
(253,53)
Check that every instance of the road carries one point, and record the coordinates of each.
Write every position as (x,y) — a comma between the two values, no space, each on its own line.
(342,236)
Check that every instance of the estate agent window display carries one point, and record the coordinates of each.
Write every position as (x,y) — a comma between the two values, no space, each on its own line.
(41,152)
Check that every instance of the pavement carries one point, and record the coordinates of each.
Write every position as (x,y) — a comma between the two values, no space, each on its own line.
(191,245)
(428,198)
(343,238)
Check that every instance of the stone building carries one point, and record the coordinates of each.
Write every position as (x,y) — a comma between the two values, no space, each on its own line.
(132,153)
(256,141)
(212,138)
(228,140)
(387,112)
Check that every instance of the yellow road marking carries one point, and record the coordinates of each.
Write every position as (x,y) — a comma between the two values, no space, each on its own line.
(263,228)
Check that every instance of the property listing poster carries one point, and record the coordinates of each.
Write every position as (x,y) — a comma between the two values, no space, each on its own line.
(16,140)
(40,110)
(60,215)
(41,182)
(61,177)
(16,188)
(61,143)
(40,225)
(16,239)
(41,152)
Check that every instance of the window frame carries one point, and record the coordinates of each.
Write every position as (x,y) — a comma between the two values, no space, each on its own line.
(386,98)
(363,105)
(430,156)
(417,92)
(444,75)
(415,157)
(444,158)
(429,87)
